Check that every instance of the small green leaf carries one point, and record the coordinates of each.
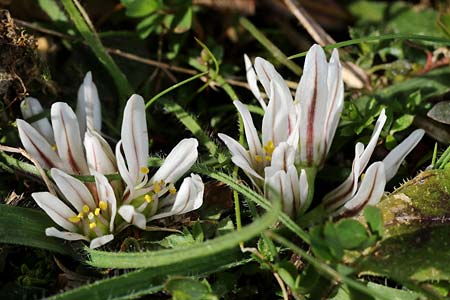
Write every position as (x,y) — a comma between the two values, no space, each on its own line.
(352,234)
(374,219)
(332,240)
(183,288)
(401,123)
(141,8)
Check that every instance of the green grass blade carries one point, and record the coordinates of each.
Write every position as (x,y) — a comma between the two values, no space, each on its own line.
(179,255)
(123,86)
(26,226)
(151,280)
(276,52)
(191,123)
(396,36)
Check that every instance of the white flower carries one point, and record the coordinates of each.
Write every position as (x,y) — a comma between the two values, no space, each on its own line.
(145,198)
(90,218)
(352,195)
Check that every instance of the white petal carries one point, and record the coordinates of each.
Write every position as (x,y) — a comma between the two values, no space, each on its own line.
(134,137)
(275,124)
(99,155)
(279,186)
(130,215)
(73,190)
(100,241)
(312,94)
(254,144)
(189,197)
(336,101)
(31,107)
(37,145)
(106,193)
(370,191)
(243,164)
(304,187)
(123,167)
(178,162)
(283,156)
(68,140)
(365,156)
(55,209)
(252,81)
(88,106)
(393,160)
(69,236)
(297,189)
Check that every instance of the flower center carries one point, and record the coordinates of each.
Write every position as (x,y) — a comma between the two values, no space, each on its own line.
(268,150)
(88,220)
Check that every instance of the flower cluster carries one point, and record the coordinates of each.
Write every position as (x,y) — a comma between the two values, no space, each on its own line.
(296,136)
(94,212)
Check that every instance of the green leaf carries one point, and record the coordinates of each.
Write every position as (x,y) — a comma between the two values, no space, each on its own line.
(351,233)
(178,255)
(182,20)
(183,288)
(151,280)
(141,8)
(416,231)
(26,226)
(374,219)
(53,10)
(390,293)
(401,123)
(444,23)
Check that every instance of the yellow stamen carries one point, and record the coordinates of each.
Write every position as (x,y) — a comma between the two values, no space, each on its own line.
(86,209)
(148,198)
(156,187)
(80,215)
(269,147)
(162,182)
(172,189)
(75,219)
(144,170)
(268,157)
(97,211)
(258,158)
(103,205)
(92,225)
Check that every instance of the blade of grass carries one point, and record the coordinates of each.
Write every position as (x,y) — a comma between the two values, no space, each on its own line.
(151,280)
(123,86)
(26,226)
(274,50)
(396,36)
(103,259)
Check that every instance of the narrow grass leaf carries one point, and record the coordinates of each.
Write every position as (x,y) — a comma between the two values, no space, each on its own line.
(26,226)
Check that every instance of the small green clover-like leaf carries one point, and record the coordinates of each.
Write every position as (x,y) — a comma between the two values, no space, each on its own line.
(141,8)
(351,233)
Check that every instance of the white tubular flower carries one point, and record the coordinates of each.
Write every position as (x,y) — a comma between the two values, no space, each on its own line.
(319,97)
(351,196)
(149,199)
(88,219)
(31,107)
(282,180)
(69,154)
(88,106)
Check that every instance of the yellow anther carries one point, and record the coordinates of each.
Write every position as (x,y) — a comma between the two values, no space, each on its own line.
(103,205)
(269,147)
(54,147)
(97,211)
(258,158)
(162,182)
(268,157)
(92,225)
(80,215)
(86,209)
(91,216)
(75,219)
(156,187)
(144,170)
(172,189)
(148,198)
